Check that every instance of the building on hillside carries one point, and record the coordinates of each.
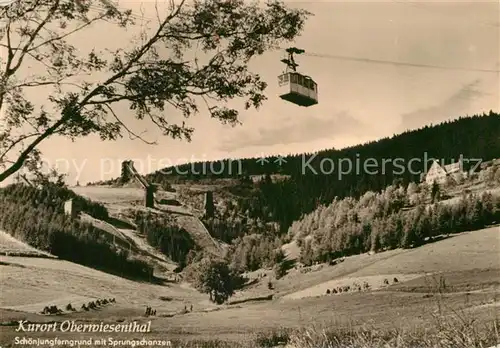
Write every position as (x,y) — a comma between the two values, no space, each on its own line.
(129,172)
(440,173)
(72,208)
(274,177)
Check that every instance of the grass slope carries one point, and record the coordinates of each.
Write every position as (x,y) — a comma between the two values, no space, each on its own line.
(13,247)
(30,284)
(118,199)
(467,252)
(130,240)
(469,258)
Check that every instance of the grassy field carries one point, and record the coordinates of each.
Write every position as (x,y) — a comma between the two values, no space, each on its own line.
(110,194)
(29,284)
(468,262)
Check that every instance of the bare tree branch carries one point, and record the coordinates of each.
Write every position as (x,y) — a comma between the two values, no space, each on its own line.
(132,134)
(151,76)
(16,142)
(17,164)
(64,36)
(33,36)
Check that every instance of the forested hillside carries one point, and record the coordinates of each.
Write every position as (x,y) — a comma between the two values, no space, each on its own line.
(476,137)
(399,216)
(396,217)
(162,233)
(36,216)
(331,215)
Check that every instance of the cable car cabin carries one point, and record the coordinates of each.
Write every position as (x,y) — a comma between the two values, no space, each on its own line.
(298,89)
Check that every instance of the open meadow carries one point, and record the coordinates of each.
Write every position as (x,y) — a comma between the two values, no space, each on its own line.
(460,273)
(239,174)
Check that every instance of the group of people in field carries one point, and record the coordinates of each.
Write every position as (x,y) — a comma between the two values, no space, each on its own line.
(151,312)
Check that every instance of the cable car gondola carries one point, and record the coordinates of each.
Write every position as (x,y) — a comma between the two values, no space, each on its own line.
(294,87)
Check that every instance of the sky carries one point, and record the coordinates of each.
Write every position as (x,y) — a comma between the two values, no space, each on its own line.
(358,101)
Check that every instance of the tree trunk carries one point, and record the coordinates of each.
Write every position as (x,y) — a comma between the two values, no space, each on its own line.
(25,154)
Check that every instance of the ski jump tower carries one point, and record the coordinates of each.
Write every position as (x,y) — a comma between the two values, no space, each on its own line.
(149,190)
(209,204)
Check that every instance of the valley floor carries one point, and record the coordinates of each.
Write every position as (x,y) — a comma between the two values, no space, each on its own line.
(468,263)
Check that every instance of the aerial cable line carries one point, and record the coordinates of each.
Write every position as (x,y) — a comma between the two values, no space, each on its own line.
(362,59)
(396,63)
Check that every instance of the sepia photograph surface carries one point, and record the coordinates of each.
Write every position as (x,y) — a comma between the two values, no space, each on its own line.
(254,174)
